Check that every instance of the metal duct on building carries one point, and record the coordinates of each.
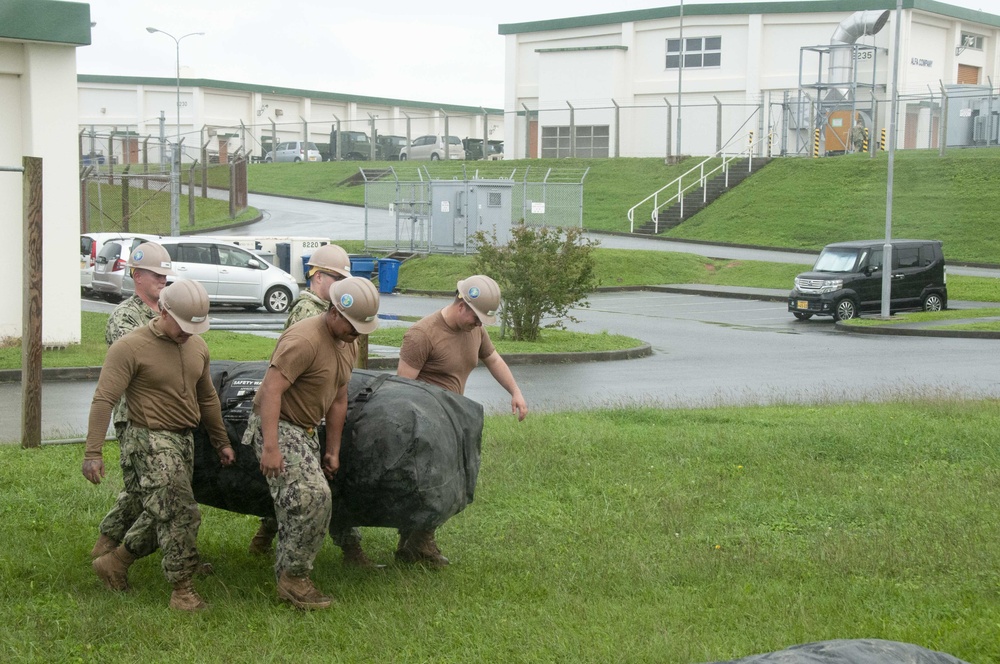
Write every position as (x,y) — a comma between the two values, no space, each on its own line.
(855,26)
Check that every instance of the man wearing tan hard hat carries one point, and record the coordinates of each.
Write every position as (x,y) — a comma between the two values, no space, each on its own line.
(327,265)
(442,349)
(162,369)
(305,384)
(150,265)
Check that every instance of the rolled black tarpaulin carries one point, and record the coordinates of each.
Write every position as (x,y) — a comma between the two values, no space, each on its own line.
(409,458)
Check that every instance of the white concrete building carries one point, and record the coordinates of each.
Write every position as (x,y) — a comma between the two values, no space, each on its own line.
(616,82)
(38,118)
(228,115)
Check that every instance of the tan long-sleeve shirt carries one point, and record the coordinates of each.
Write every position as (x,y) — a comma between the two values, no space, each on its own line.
(167,386)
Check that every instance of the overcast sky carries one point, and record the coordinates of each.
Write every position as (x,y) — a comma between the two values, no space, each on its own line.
(446,51)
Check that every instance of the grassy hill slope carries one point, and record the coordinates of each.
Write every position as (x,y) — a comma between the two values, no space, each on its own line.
(807,203)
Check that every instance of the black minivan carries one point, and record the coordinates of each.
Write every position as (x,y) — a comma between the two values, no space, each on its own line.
(847,280)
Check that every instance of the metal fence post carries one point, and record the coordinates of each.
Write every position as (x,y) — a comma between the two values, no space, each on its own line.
(447,143)
(191,193)
(204,171)
(944,121)
(572,130)
(125,203)
(670,126)
(718,125)
(527,131)
(618,127)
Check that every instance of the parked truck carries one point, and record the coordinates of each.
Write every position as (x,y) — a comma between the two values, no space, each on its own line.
(353,145)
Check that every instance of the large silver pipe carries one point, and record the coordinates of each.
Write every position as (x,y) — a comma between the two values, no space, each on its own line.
(850,30)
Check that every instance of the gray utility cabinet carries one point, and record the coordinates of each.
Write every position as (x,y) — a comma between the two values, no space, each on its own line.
(461,208)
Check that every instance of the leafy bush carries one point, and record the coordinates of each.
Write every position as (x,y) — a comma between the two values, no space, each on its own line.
(542,272)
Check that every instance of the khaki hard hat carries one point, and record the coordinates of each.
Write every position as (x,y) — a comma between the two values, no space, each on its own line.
(330,258)
(483,295)
(356,299)
(187,303)
(153,257)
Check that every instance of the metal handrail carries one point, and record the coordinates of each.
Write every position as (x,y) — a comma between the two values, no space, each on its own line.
(701,181)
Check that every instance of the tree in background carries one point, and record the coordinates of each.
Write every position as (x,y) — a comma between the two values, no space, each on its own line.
(542,272)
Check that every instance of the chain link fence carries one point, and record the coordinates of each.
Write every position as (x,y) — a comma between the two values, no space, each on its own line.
(125,184)
(438,208)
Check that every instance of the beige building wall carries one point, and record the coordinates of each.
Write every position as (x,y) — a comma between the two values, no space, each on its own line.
(38,119)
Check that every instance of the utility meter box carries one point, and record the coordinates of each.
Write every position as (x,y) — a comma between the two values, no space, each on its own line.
(460,209)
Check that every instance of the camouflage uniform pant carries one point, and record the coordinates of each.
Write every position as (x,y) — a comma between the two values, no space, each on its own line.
(128,506)
(164,463)
(302,503)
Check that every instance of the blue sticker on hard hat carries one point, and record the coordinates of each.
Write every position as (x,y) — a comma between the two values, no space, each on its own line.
(137,256)
(473,292)
(346,300)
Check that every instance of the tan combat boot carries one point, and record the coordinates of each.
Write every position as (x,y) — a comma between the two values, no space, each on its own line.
(112,568)
(419,547)
(104,544)
(354,556)
(260,545)
(186,598)
(300,591)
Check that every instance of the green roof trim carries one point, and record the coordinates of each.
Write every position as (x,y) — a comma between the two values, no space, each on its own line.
(45,21)
(291,92)
(816,7)
(581,48)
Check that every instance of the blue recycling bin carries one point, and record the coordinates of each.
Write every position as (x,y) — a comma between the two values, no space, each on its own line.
(283,252)
(306,268)
(388,275)
(362,266)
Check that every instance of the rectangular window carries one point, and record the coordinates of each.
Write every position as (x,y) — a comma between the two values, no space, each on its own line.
(698,52)
(555,142)
(591,141)
(972,41)
(493,199)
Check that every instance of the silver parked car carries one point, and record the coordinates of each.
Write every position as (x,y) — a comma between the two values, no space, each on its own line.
(102,261)
(294,151)
(230,274)
(433,148)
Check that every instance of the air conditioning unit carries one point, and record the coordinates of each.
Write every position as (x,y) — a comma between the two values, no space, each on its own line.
(278,112)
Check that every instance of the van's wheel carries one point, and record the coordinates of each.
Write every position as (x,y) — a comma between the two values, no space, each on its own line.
(434,157)
(801,316)
(845,309)
(297,160)
(933,302)
(277,300)
(402,157)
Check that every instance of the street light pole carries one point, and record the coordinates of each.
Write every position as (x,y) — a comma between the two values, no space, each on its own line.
(175,158)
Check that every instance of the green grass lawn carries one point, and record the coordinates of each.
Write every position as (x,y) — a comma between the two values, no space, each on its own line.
(242,347)
(634,535)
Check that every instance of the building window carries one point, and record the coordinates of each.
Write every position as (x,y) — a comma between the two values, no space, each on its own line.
(555,142)
(699,52)
(972,41)
(591,141)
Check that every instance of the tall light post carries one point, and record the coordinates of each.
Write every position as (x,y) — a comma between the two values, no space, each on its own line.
(175,160)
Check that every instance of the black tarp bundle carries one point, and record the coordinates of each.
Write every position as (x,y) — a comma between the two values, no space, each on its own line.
(409,455)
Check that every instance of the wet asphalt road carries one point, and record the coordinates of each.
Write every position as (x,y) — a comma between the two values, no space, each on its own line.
(706,350)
